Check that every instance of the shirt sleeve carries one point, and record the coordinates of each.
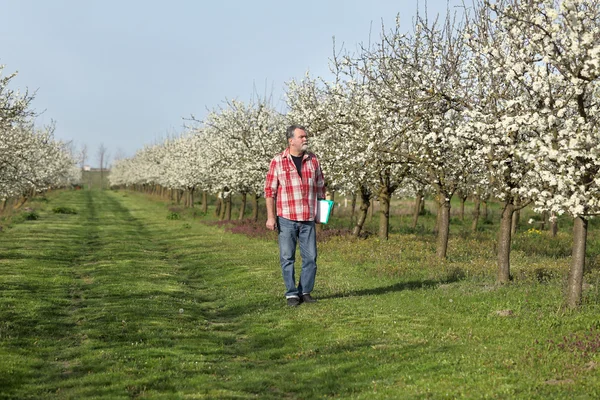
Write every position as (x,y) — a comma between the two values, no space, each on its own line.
(271,181)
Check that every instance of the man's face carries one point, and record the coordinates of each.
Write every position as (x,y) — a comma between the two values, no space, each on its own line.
(299,143)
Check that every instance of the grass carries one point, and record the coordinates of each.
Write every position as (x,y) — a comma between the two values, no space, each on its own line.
(121,301)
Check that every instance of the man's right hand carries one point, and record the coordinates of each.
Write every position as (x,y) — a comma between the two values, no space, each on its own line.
(271,224)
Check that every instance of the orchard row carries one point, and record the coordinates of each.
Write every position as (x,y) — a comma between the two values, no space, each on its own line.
(31,160)
(498,100)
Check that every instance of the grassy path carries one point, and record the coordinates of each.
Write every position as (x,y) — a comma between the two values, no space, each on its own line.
(117,301)
(111,303)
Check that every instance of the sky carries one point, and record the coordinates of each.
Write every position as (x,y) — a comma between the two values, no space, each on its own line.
(130,73)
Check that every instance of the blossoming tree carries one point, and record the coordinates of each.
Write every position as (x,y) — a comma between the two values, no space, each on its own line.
(556,48)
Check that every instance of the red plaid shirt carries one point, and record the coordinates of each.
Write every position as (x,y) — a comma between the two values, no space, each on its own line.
(296,198)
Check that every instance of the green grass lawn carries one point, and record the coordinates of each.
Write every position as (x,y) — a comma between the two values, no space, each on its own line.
(113,299)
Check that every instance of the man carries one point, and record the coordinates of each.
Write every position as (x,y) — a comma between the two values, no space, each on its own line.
(294,184)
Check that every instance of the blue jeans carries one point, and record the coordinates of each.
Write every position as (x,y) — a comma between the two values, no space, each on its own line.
(289,233)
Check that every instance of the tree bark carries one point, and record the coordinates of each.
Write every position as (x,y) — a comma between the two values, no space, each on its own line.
(353,208)
(204,202)
(21,202)
(485,210)
(575,283)
(417,209)
(544,221)
(504,241)
(255,207)
(516,217)
(228,208)
(438,216)
(443,226)
(219,205)
(553,225)
(384,212)
(242,207)
(363,211)
(463,200)
(225,204)
(476,209)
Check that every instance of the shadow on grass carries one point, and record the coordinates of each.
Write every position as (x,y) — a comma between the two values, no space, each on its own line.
(397,287)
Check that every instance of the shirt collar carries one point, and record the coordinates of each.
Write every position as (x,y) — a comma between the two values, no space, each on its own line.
(286,154)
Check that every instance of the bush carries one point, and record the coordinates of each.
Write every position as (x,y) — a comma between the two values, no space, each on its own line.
(64,210)
(174,216)
(30,216)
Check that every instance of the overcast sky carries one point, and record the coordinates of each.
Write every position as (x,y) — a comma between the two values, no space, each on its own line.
(126,73)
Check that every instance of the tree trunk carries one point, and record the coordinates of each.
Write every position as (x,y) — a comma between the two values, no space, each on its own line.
(417,209)
(443,226)
(485,210)
(515,221)
(438,217)
(228,207)
(219,205)
(242,207)
(544,221)
(21,202)
(504,240)
(476,209)
(463,200)
(204,202)
(353,208)
(363,211)
(384,213)
(575,283)
(255,207)
(192,190)
(553,224)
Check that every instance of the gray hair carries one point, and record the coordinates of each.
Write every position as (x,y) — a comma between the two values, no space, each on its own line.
(289,132)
